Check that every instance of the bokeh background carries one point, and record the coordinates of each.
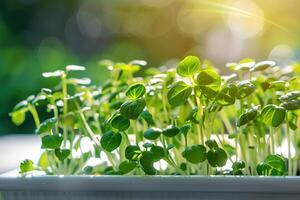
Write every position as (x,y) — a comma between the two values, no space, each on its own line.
(44,35)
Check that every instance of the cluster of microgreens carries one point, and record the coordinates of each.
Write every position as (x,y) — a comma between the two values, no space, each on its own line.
(184,121)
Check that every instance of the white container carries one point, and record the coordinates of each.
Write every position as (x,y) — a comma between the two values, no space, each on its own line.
(149,187)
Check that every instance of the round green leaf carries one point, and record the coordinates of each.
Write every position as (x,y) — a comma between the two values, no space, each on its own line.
(273,165)
(147,116)
(245,88)
(18,117)
(127,166)
(273,115)
(158,153)
(110,141)
(227,95)
(212,144)
(289,96)
(62,154)
(195,154)
(120,123)
(46,126)
(263,65)
(208,77)
(132,109)
(189,66)
(51,141)
(293,104)
(132,152)
(248,116)
(146,161)
(152,133)
(217,157)
(136,91)
(179,93)
(170,131)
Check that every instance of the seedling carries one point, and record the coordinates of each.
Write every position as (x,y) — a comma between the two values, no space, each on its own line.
(188,121)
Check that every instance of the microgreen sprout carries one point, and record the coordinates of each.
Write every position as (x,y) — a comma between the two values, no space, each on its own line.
(188,121)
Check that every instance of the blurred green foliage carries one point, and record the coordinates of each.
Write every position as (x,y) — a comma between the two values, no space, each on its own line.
(44,35)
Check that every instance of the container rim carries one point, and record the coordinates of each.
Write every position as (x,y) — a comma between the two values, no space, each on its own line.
(286,184)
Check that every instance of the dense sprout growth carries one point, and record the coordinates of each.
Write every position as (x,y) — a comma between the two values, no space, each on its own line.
(185,121)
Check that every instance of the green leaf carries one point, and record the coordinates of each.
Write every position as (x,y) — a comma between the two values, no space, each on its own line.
(146,161)
(120,123)
(170,131)
(132,152)
(227,95)
(248,116)
(158,153)
(273,115)
(289,96)
(293,104)
(127,166)
(245,65)
(217,157)
(245,88)
(189,66)
(212,144)
(179,93)
(110,141)
(132,109)
(62,154)
(210,91)
(44,161)
(263,65)
(26,166)
(195,154)
(136,91)
(51,141)
(152,133)
(18,117)
(238,165)
(273,165)
(46,126)
(186,128)
(279,85)
(146,115)
(208,77)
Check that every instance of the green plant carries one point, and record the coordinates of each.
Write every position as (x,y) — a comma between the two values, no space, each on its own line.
(191,121)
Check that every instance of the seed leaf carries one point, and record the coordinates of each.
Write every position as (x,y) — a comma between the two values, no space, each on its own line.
(263,65)
(208,77)
(273,165)
(46,126)
(127,166)
(158,153)
(62,154)
(120,123)
(245,88)
(136,91)
(217,157)
(110,141)
(189,66)
(170,131)
(51,141)
(273,115)
(132,109)
(179,93)
(132,152)
(152,133)
(248,116)
(293,104)
(195,154)
(146,161)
